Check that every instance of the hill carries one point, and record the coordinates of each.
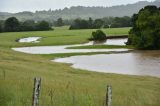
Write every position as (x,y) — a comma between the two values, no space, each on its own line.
(82,12)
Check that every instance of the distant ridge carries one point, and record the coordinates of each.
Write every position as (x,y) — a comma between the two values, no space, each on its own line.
(81,12)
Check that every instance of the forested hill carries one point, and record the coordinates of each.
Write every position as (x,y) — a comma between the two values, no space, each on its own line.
(82,12)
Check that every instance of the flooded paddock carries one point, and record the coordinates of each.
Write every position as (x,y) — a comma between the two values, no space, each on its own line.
(145,63)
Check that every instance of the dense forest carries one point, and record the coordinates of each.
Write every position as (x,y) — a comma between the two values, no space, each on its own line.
(80,12)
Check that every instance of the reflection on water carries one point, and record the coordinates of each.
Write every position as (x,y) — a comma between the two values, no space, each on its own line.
(145,63)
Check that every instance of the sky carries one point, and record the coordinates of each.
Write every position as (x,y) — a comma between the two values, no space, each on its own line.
(33,5)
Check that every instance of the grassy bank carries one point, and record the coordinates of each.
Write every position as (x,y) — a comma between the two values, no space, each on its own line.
(66,86)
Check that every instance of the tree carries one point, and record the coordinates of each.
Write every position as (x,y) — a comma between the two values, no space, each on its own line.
(145,33)
(0,28)
(80,24)
(98,35)
(28,25)
(90,22)
(59,22)
(43,26)
(118,22)
(108,22)
(98,23)
(11,25)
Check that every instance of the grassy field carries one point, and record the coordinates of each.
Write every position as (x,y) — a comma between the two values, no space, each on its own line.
(61,84)
(60,36)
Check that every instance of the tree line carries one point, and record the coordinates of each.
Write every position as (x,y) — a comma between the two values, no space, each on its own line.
(12,24)
(110,22)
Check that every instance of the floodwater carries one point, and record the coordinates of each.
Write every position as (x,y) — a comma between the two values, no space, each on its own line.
(62,49)
(116,41)
(29,40)
(144,63)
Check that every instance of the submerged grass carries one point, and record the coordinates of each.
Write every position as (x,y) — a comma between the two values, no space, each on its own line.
(61,84)
(61,55)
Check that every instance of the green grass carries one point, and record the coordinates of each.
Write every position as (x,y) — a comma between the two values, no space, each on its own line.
(68,86)
(61,28)
(57,37)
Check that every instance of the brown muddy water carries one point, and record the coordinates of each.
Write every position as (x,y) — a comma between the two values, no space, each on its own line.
(144,63)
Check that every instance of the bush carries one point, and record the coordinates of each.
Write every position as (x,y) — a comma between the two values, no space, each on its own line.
(98,35)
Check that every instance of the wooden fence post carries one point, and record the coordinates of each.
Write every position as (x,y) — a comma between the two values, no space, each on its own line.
(109,96)
(4,74)
(36,91)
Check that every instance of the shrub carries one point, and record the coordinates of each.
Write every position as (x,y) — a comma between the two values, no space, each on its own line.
(98,35)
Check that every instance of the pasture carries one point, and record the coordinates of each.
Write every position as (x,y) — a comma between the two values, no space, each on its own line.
(61,84)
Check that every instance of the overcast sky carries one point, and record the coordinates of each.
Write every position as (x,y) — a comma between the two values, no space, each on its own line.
(32,5)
